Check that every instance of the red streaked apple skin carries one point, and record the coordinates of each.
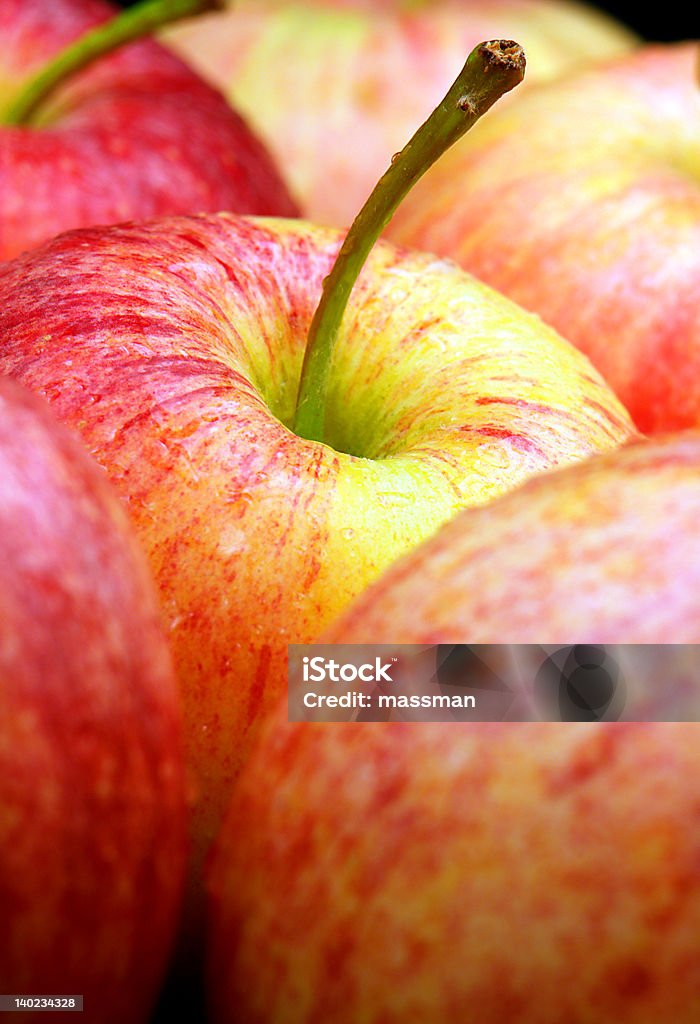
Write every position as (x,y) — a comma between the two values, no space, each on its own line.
(601,174)
(174,350)
(410,872)
(603,552)
(92,804)
(136,135)
(368,71)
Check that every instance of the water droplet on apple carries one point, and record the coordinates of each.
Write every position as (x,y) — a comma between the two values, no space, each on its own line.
(232,541)
(395,499)
(182,430)
(395,157)
(349,533)
(493,456)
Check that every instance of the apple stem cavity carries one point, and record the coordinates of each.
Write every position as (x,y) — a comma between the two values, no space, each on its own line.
(126,27)
(491,70)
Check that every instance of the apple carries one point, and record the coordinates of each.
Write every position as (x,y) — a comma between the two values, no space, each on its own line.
(406,872)
(137,134)
(334,87)
(601,174)
(175,349)
(92,796)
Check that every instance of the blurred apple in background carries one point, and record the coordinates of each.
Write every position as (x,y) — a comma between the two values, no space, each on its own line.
(449,872)
(136,134)
(334,87)
(92,806)
(581,200)
(175,348)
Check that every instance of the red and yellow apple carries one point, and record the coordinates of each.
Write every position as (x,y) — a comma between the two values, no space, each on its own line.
(137,134)
(581,201)
(175,348)
(334,87)
(92,795)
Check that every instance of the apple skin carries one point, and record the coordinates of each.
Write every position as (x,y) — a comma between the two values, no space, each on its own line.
(371,72)
(603,552)
(136,135)
(174,349)
(409,872)
(601,173)
(92,792)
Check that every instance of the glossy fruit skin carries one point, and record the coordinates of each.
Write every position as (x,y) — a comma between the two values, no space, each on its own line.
(136,135)
(370,73)
(581,201)
(174,350)
(536,872)
(92,792)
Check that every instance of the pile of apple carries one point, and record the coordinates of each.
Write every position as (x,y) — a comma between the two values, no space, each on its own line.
(225,428)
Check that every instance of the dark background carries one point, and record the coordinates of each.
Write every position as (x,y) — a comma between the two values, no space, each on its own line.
(669,21)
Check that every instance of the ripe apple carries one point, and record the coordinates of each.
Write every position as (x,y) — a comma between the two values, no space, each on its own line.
(175,349)
(137,134)
(92,808)
(310,75)
(601,174)
(407,872)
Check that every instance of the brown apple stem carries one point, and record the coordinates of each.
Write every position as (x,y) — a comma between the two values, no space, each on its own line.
(492,69)
(131,24)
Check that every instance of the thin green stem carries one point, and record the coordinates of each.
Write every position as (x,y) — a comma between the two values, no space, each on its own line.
(492,69)
(131,24)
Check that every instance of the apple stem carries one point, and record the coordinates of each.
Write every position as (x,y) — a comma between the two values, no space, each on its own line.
(131,24)
(492,69)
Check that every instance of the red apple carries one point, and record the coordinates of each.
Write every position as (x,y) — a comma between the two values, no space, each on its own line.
(175,350)
(601,174)
(137,134)
(269,494)
(410,872)
(334,87)
(92,811)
